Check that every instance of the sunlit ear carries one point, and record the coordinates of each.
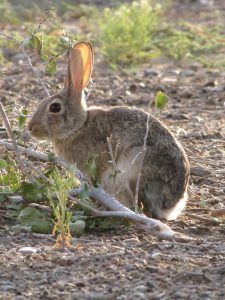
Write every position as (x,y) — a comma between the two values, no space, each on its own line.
(79,69)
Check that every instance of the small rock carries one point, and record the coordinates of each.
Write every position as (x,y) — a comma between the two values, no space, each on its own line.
(217,89)
(131,241)
(141,288)
(157,255)
(28,250)
(211,83)
(139,296)
(196,135)
(16,199)
(151,72)
(177,116)
(77,228)
(133,87)
(66,260)
(6,286)
(199,171)
(187,73)
(129,267)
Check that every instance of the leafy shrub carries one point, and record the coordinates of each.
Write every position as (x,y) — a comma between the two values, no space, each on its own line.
(126,32)
(185,41)
(138,31)
(7,14)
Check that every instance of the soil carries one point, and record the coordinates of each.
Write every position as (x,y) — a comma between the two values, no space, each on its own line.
(126,263)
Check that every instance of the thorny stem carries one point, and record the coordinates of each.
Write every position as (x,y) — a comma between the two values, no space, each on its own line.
(141,165)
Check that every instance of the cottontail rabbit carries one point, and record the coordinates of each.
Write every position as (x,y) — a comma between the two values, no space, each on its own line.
(80,134)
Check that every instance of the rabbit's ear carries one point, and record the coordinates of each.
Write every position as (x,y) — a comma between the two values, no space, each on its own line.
(79,69)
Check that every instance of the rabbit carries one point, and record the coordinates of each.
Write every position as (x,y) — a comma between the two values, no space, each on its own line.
(81,135)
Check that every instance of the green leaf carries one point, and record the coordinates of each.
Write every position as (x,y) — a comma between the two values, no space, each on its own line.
(202,203)
(161,100)
(3,164)
(37,220)
(50,68)
(51,156)
(3,198)
(66,42)
(14,206)
(92,170)
(34,43)
(84,194)
(22,117)
(77,228)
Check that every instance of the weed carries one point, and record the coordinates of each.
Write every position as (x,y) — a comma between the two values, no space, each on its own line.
(126,31)
(139,31)
(10,176)
(60,186)
(189,42)
(7,14)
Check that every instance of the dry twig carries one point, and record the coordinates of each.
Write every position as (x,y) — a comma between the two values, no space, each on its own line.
(141,164)
(155,227)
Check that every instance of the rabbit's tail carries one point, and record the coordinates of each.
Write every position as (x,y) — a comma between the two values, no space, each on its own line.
(174,212)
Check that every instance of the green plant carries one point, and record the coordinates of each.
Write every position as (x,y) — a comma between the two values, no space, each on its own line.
(92,170)
(7,14)
(58,198)
(35,220)
(184,41)
(161,100)
(10,176)
(126,32)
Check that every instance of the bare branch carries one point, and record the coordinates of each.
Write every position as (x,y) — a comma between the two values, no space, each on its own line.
(22,47)
(10,71)
(113,157)
(141,165)
(36,74)
(15,147)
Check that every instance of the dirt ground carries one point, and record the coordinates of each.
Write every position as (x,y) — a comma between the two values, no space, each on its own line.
(126,263)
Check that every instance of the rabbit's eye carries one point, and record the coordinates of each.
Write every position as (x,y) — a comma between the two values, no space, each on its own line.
(55,107)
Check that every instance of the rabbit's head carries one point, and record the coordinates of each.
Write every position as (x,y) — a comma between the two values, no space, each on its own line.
(64,113)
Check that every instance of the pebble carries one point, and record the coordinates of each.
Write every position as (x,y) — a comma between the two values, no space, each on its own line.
(139,296)
(141,288)
(129,267)
(151,72)
(157,255)
(211,83)
(16,199)
(28,250)
(187,73)
(131,241)
(6,286)
(199,171)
